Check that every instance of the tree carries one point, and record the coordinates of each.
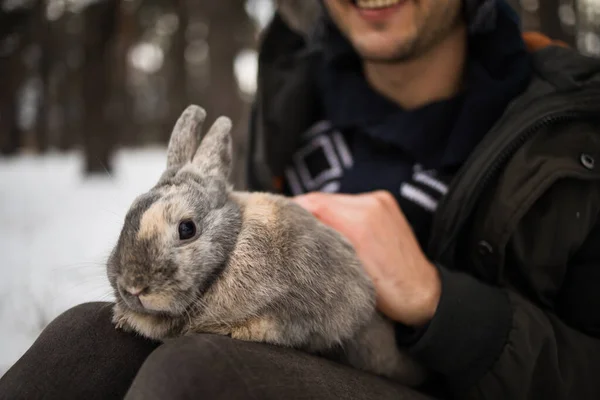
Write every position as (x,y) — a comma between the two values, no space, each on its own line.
(551,24)
(176,70)
(230,31)
(99,134)
(13,27)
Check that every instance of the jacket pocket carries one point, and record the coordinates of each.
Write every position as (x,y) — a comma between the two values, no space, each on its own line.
(540,211)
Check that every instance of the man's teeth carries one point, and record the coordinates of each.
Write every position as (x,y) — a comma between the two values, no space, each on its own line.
(372,4)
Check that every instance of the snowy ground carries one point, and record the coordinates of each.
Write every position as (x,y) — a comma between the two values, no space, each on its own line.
(56,231)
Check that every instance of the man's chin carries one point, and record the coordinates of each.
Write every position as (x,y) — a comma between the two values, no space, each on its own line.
(377,49)
(384,56)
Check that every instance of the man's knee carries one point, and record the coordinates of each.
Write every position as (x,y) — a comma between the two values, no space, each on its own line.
(87,311)
(80,355)
(86,316)
(218,367)
(209,364)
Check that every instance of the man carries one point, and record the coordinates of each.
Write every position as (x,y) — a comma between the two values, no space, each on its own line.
(478,220)
(467,162)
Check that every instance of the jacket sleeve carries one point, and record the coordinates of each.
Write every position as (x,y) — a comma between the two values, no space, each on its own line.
(493,343)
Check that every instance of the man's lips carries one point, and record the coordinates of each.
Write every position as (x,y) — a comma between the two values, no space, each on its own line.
(375,4)
(377,10)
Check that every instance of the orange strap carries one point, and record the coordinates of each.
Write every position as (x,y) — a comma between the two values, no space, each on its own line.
(536,41)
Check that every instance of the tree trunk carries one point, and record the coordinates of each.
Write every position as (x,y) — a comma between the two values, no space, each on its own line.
(12,72)
(177,71)
(99,135)
(550,22)
(10,139)
(228,34)
(43,35)
(122,110)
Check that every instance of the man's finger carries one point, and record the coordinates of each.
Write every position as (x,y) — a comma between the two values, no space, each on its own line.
(327,206)
(310,201)
(315,198)
(339,212)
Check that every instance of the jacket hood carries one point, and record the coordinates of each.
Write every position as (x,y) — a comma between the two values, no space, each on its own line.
(481,14)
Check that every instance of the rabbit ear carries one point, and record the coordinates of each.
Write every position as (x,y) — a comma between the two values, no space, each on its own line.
(214,154)
(184,138)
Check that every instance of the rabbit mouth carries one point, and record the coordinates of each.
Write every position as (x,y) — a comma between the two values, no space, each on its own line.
(143,306)
(153,303)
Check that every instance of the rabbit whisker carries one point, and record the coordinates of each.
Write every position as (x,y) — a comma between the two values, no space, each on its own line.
(186,310)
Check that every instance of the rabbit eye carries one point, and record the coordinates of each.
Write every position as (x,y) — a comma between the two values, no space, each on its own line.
(187,230)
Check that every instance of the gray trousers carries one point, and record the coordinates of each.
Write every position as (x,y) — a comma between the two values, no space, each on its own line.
(80,355)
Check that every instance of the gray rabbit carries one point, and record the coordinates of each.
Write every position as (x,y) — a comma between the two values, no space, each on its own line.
(195,256)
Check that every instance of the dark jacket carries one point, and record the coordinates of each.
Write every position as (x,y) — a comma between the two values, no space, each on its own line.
(518,234)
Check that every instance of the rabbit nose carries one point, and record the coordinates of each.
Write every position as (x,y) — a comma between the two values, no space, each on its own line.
(136,290)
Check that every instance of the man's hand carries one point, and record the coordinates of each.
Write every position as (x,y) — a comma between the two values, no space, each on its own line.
(408,285)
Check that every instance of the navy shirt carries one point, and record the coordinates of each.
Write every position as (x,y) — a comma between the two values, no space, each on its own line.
(328,160)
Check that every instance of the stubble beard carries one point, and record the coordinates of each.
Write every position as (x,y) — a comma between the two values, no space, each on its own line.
(421,42)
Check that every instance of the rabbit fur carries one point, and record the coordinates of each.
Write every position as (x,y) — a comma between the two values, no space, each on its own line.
(259,267)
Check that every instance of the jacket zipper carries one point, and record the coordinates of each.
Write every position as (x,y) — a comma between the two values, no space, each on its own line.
(478,187)
(521,140)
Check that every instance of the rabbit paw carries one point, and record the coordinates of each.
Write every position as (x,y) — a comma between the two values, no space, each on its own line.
(257,330)
(119,319)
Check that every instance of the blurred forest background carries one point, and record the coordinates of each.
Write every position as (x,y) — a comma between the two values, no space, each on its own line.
(89,93)
(101,75)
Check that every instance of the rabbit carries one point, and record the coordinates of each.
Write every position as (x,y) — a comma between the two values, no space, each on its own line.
(196,256)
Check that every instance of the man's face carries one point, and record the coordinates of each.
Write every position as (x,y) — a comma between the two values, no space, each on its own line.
(394,30)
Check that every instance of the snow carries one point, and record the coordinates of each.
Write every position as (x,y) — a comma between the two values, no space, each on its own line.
(57,229)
